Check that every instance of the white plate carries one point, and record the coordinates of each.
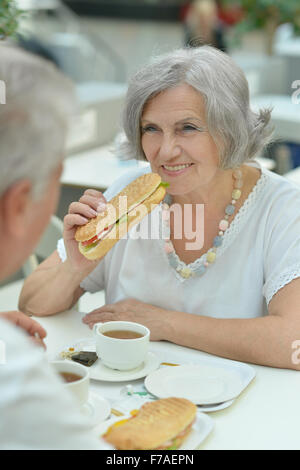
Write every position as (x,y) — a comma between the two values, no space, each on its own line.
(203,384)
(100,372)
(200,430)
(97,409)
(215,407)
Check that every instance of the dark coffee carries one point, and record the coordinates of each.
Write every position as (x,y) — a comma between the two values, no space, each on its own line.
(123,334)
(70,377)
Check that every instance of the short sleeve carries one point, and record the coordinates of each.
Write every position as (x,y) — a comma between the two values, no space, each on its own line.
(61,250)
(282,245)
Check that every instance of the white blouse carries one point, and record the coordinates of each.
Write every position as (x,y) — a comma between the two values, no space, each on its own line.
(260,254)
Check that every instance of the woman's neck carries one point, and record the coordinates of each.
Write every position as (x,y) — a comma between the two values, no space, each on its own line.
(213,195)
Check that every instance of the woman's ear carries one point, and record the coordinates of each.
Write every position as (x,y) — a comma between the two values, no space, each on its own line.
(14,208)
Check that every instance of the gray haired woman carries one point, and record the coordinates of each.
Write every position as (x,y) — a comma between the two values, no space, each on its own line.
(220,271)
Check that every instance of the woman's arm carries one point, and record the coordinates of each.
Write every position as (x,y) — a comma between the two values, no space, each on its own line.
(55,286)
(268,340)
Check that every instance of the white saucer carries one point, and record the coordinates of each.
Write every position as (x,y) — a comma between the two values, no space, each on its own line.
(97,409)
(202,384)
(100,372)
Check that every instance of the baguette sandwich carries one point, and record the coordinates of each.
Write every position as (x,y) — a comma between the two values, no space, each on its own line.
(123,211)
(160,425)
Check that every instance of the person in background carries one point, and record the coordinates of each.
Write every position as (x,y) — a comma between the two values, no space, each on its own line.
(36,412)
(203,25)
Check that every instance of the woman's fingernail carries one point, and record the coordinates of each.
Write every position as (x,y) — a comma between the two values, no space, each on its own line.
(101,207)
(93,212)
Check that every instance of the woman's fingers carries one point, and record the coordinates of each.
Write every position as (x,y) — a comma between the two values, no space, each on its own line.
(95,199)
(96,317)
(71,220)
(89,206)
(82,209)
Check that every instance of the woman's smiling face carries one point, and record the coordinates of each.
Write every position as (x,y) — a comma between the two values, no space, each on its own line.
(176,142)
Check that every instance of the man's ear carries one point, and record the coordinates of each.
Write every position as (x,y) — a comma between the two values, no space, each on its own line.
(14,206)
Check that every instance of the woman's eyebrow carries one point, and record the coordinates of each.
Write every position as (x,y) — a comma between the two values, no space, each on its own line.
(187,119)
(192,118)
(145,120)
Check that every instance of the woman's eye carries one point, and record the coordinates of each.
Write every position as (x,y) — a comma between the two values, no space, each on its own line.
(189,128)
(148,129)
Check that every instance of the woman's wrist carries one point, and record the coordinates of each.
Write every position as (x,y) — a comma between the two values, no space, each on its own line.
(170,324)
(76,275)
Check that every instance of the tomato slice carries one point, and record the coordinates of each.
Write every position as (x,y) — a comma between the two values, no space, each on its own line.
(89,242)
(95,238)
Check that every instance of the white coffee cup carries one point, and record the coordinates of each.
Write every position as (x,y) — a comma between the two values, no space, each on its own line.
(79,388)
(121,354)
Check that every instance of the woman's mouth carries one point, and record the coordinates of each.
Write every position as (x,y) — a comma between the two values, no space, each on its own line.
(174,170)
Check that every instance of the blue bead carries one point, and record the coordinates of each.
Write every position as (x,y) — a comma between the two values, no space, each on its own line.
(218,241)
(200,270)
(230,209)
(172,260)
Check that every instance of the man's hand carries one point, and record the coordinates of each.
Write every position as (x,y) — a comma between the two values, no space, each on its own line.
(30,326)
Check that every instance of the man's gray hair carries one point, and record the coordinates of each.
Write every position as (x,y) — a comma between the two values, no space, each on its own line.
(239,133)
(34,120)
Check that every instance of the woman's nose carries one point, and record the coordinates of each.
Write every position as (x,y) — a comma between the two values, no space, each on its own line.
(169,147)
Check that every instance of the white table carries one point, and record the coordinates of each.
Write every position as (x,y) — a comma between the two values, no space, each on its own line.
(99,168)
(265,416)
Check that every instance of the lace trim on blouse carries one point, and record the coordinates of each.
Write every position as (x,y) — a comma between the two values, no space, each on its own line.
(279,281)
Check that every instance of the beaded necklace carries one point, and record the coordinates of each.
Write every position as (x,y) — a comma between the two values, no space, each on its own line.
(210,257)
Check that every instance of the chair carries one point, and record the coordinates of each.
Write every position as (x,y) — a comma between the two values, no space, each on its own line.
(9,293)
(46,245)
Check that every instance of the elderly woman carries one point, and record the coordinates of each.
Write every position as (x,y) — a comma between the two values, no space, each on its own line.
(236,294)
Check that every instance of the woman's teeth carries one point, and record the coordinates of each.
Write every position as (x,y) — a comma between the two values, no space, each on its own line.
(177,167)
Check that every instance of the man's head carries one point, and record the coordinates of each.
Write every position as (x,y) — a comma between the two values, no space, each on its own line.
(33,127)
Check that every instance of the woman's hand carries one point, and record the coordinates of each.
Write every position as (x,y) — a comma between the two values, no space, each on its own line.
(154,318)
(89,206)
(30,326)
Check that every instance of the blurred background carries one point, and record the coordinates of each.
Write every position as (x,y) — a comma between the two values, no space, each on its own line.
(100,43)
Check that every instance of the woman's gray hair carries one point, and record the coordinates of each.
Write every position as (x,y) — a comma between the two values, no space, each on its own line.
(239,133)
(39,101)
